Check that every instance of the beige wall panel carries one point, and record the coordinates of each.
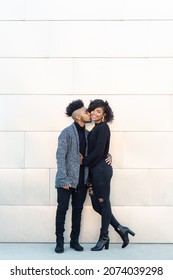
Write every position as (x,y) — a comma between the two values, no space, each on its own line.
(36,185)
(149,223)
(53,191)
(140,113)
(11,150)
(101,10)
(34,113)
(90,225)
(24,187)
(161,191)
(55,51)
(23,39)
(35,76)
(123,76)
(116,149)
(40,149)
(146,9)
(171,106)
(147,150)
(129,187)
(86,76)
(104,39)
(12,10)
(98,9)
(47,113)
(11,187)
(88,200)
(37,224)
(29,223)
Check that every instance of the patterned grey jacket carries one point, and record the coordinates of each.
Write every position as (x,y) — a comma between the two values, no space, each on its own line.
(68,158)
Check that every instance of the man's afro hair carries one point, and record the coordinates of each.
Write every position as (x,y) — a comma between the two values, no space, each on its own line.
(73,106)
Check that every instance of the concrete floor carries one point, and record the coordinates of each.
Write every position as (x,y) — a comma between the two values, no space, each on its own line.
(45,251)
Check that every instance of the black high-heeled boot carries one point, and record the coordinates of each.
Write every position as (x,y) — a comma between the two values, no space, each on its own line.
(103,242)
(123,232)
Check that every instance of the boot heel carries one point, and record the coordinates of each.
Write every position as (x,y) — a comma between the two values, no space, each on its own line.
(102,243)
(123,232)
(107,245)
(131,232)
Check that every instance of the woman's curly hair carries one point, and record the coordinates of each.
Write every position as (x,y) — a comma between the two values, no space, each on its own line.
(106,108)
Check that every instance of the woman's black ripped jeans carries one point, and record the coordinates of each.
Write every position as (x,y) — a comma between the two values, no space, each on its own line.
(101,176)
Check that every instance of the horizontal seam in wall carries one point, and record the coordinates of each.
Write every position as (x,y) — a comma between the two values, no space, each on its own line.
(86,94)
(86,57)
(85,20)
(116,168)
(112,131)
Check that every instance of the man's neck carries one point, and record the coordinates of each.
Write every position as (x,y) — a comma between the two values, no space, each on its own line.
(82,124)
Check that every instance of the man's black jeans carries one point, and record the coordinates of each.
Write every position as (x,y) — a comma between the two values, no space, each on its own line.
(78,197)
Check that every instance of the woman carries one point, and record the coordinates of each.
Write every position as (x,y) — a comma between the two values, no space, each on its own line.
(101,173)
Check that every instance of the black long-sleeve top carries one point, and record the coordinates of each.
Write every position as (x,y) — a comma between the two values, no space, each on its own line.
(82,138)
(82,147)
(98,144)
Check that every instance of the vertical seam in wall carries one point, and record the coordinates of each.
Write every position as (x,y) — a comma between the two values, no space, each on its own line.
(73,75)
(25,10)
(170,108)
(123,133)
(149,186)
(24,166)
(49,187)
(48,36)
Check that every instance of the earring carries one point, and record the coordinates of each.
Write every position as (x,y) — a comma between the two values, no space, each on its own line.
(103,119)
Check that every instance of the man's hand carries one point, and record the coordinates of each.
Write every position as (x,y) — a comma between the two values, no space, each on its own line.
(109,159)
(67,187)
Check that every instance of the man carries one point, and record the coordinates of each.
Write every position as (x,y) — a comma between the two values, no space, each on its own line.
(71,176)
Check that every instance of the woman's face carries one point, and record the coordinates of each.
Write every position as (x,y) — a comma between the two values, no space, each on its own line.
(97,114)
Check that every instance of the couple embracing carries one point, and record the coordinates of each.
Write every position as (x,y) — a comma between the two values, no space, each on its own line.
(84,163)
